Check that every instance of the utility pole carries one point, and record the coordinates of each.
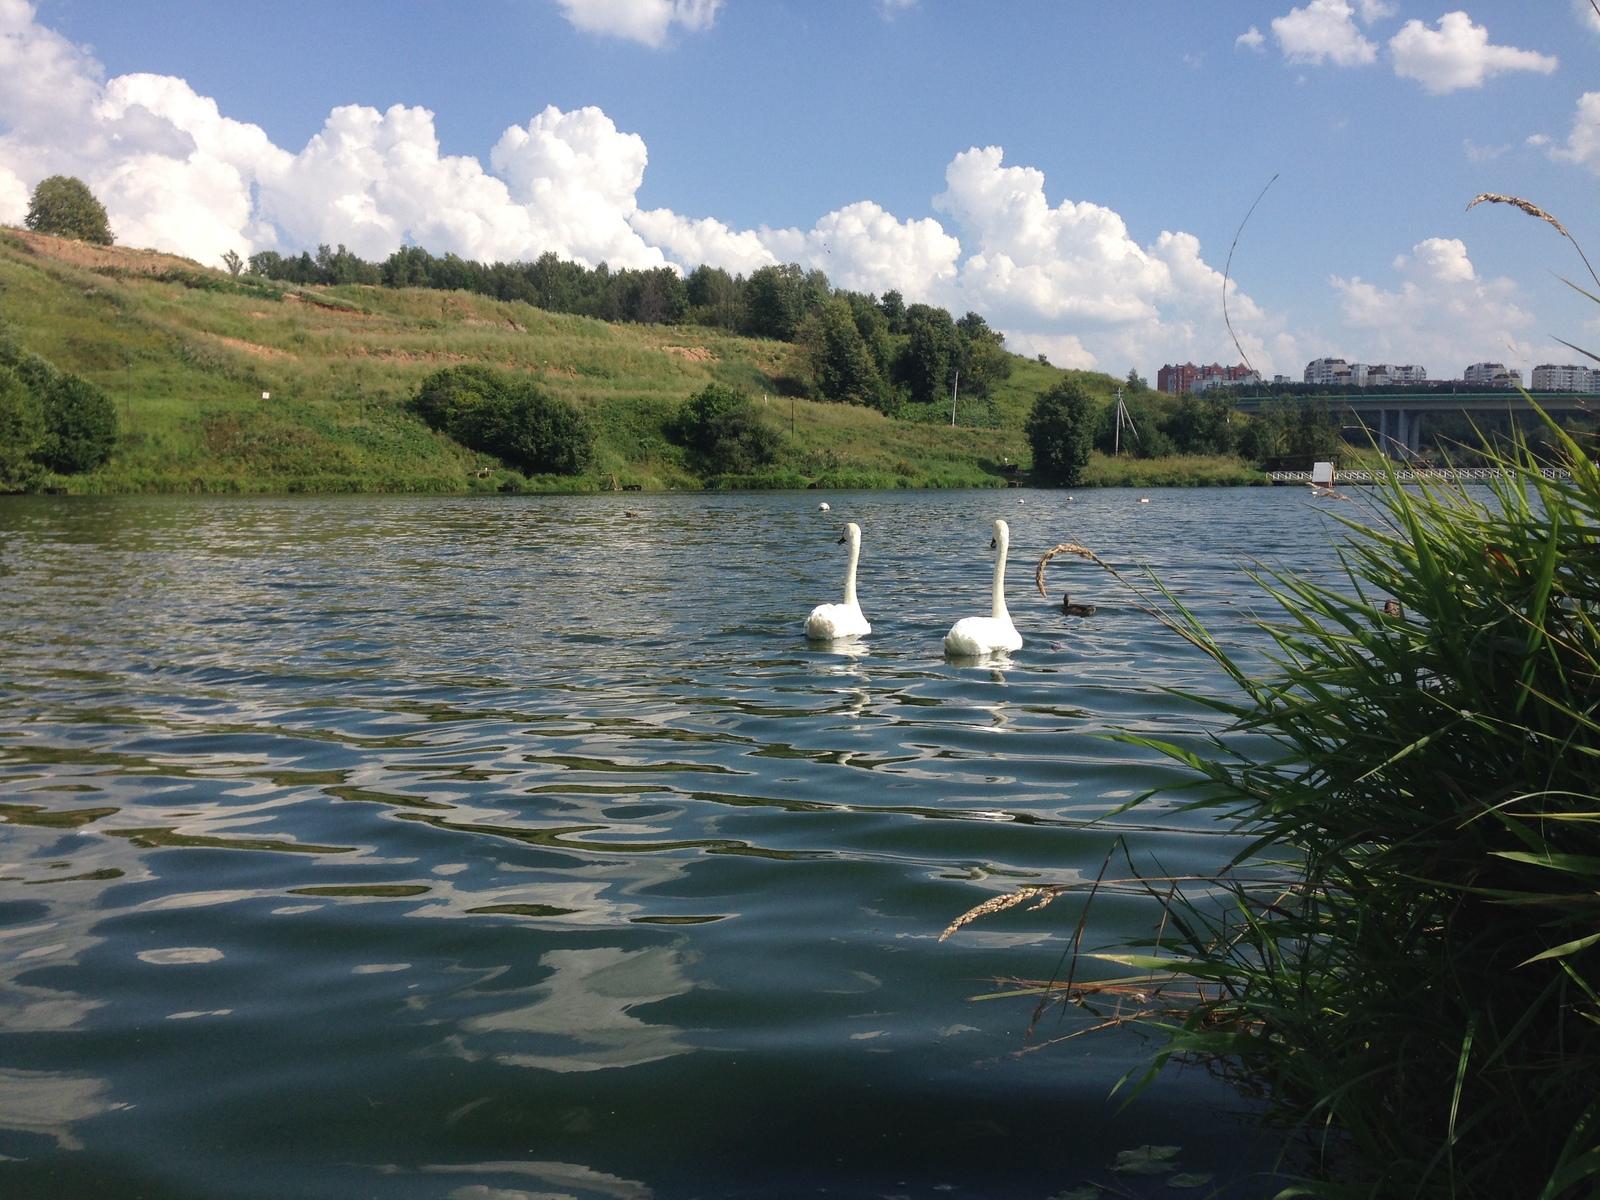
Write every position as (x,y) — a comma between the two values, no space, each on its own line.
(1122,416)
(954,392)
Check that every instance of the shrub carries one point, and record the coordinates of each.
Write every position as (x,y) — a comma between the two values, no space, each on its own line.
(725,432)
(77,422)
(80,426)
(509,418)
(22,429)
(1060,429)
(65,207)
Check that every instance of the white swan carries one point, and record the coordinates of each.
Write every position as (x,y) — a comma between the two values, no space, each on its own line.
(973,637)
(835,622)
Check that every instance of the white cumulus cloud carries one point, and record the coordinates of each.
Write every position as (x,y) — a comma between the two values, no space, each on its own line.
(175,174)
(1072,282)
(646,21)
(1458,55)
(1586,14)
(1444,314)
(13,198)
(1067,279)
(1251,38)
(690,242)
(1583,143)
(864,248)
(1325,30)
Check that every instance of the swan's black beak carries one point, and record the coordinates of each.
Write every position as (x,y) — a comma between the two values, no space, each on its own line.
(994,544)
(842,540)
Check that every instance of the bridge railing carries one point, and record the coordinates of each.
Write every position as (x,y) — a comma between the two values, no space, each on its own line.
(1413,475)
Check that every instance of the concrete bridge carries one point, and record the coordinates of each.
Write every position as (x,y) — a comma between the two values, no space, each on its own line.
(1397,419)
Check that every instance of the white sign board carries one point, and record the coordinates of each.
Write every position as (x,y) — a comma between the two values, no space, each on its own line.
(1322,474)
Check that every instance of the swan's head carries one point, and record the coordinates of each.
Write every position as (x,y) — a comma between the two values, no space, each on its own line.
(1002,536)
(851,534)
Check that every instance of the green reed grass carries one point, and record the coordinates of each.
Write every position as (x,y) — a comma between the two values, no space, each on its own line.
(1404,967)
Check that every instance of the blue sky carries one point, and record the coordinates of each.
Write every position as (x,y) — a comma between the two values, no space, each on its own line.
(841,133)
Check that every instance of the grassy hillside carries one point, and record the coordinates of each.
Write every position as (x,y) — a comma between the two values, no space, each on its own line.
(187,353)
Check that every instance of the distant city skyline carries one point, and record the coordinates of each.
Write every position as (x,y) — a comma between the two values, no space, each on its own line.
(1182,378)
(1075,173)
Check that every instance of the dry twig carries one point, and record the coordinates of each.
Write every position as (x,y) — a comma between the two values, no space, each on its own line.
(996,904)
(1533,210)
(1065,548)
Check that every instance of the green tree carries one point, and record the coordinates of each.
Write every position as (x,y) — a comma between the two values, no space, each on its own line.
(984,360)
(446,398)
(65,207)
(344,266)
(536,433)
(927,362)
(724,431)
(21,430)
(893,305)
(233,263)
(715,297)
(1061,431)
(1136,382)
(1198,426)
(511,419)
(80,426)
(777,299)
(841,363)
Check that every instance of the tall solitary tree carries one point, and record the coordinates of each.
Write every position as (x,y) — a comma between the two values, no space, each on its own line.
(1061,431)
(64,206)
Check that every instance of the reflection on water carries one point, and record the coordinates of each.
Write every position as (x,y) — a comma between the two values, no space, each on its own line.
(43,1102)
(582,1020)
(582,1180)
(345,839)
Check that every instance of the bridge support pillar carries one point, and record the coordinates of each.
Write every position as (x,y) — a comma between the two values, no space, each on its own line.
(1399,432)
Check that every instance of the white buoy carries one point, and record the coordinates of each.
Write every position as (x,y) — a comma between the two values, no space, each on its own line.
(823,506)
(1144,500)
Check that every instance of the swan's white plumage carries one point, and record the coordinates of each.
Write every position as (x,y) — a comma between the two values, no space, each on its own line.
(974,637)
(836,622)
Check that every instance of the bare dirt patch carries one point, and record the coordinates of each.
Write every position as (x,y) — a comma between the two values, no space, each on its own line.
(252,347)
(406,356)
(116,258)
(697,354)
(486,324)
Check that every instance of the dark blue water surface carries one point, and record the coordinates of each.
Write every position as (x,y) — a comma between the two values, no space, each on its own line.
(496,848)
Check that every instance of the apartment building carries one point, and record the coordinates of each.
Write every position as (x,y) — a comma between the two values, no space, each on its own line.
(1336,372)
(1550,378)
(1492,375)
(1177,379)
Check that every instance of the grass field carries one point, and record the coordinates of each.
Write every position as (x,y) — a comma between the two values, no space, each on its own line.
(188,352)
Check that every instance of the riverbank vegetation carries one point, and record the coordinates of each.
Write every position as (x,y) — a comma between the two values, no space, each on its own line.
(1403,966)
(303,374)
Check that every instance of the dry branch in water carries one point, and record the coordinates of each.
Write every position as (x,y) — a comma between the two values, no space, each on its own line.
(1065,548)
(996,904)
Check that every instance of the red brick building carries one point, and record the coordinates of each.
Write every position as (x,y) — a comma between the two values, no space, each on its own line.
(1176,380)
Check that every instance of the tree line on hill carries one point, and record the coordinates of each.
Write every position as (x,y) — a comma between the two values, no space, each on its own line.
(858,348)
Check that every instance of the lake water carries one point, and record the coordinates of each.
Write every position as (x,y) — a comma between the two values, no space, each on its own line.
(495,848)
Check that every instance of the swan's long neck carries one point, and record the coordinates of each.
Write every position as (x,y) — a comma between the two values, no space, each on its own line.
(850,573)
(999,611)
